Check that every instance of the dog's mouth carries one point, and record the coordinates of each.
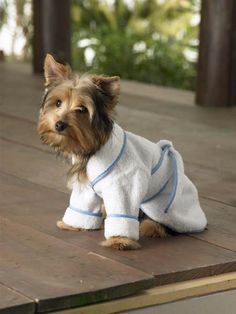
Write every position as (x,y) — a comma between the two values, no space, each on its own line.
(52,138)
(73,140)
(62,142)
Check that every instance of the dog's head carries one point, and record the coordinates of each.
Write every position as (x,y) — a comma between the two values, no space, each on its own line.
(76,112)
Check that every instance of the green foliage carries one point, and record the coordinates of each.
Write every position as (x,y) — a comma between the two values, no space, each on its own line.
(145,41)
(3,12)
(23,24)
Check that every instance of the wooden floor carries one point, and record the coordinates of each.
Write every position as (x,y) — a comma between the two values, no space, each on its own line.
(45,269)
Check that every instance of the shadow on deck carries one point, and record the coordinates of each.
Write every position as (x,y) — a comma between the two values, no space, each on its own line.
(45,269)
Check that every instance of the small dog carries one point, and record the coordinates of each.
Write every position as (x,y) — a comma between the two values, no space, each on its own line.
(141,184)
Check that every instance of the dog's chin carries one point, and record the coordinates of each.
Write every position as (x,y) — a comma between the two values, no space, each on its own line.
(63,143)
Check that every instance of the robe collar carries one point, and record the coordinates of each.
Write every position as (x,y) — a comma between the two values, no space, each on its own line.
(104,160)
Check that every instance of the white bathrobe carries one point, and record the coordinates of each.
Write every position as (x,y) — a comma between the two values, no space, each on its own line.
(130,173)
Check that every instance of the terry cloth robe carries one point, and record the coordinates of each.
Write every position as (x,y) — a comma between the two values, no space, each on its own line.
(130,173)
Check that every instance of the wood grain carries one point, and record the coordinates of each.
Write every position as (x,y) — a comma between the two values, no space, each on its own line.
(45,263)
(33,165)
(59,275)
(172,259)
(13,302)
(161,295)
(221,224)
(214,177)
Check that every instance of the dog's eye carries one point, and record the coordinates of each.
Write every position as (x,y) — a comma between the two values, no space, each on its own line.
(82,109)
(58,103)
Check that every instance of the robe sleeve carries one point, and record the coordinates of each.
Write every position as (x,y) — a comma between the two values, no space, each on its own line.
(122,199)
(84,210)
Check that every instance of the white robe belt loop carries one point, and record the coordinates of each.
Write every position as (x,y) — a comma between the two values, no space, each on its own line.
(165,148)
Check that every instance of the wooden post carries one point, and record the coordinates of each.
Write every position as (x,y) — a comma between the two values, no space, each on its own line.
(232,100)
(51,20)
(217,38)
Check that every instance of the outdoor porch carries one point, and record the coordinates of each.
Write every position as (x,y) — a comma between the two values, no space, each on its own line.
(44,269)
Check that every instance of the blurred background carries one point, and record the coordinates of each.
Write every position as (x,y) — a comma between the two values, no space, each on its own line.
(122,37)
(183,44)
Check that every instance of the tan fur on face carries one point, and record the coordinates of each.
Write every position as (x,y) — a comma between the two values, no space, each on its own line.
(72,99)
(86,132)
(78,138)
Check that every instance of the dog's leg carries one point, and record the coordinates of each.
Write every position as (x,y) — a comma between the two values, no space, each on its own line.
(61,225)
(152,229)
(121,243)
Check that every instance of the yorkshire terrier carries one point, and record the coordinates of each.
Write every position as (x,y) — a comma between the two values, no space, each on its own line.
(139,184)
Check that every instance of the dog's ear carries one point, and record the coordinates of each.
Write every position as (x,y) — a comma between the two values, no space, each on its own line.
(54,71)
(109,86)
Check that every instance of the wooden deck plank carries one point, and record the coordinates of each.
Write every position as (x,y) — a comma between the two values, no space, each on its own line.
(221,219)
(21,131)
(200,134)
(60,275)
(185,113)
(36,199)
(30,163)
(13,302)
(33,165)
(197,142)
(29,91)
(172,259)
(160,295)
(190,127)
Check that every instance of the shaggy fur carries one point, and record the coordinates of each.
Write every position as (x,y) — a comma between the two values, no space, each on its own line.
(85,103)
(152,229)
(121,243)
(85,106)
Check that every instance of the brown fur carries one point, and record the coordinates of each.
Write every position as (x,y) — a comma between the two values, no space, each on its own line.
(61,225)
(152,229)
(87,131)
(121,243)
(86,105)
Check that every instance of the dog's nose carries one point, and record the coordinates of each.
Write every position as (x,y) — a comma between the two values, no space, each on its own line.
(60,126)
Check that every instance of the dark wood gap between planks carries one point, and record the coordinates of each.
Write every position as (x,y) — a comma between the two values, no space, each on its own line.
(26,145)
(68,193)
(13,289)
(92,246)
(209,165)
(36,184)
(65,196)
(202,194)
(47,272)
(13,301)
(10,116)
(205,240)
(161,279)
(51,152)
(50,188)
(204,245)
(196,165)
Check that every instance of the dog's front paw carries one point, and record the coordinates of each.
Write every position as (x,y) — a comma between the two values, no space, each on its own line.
(121,243)
(61,225)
